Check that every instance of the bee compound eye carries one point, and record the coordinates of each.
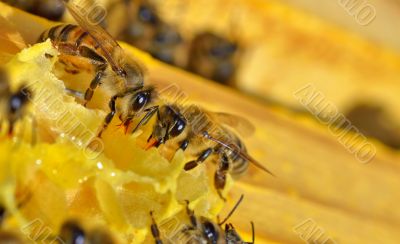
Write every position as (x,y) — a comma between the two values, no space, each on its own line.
(210,232)
(140,100)
(178,127)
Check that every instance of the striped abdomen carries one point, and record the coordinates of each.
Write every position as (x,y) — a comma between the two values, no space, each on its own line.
(239,164)
(69,38)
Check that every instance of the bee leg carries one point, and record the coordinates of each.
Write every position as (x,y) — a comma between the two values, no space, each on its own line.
(220,175)
(110,115)
(192,218)
(101,66)
(203,156)
(94,83)
(154,230)
(113,109)
(184,144)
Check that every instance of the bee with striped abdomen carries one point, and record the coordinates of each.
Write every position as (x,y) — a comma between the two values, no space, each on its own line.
(121,75)
(209,134)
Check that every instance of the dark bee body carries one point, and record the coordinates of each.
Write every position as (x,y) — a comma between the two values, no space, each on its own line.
(213,57)
(50,9)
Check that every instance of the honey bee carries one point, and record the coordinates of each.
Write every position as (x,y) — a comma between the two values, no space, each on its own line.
(14,103)
(211,135)
(122,75)
(50,9)
(213,57)
(71,232)
(143,28)
(204,230)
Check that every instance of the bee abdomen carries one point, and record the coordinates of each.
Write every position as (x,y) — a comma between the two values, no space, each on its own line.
(68,33)
(239,167)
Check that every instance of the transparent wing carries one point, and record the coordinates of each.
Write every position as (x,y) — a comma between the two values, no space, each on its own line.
(242,154)
(240,124)
(111,49)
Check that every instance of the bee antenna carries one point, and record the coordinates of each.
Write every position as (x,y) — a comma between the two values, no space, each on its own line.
(253,232)
(241,153)
(232,211)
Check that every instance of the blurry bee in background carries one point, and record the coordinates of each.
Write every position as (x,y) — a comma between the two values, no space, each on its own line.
(143,28)
(121,75)
(214,57)
(50,9)
(374,121)
(209,134)
(14,104)
(71,232)
(208,54)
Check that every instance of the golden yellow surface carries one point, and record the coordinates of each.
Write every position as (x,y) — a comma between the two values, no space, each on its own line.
(317,178)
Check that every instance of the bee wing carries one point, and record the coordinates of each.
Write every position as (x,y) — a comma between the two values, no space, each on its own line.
(112,51)
(240,124)
(242,154)
(255,162)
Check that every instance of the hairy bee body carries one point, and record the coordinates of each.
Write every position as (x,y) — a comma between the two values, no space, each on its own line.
(206,135)
(70,39)
(200,121)
(121,76)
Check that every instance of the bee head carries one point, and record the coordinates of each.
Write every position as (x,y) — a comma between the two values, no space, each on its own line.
(231,234)
(210,231)
(170,124)
(141,99)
